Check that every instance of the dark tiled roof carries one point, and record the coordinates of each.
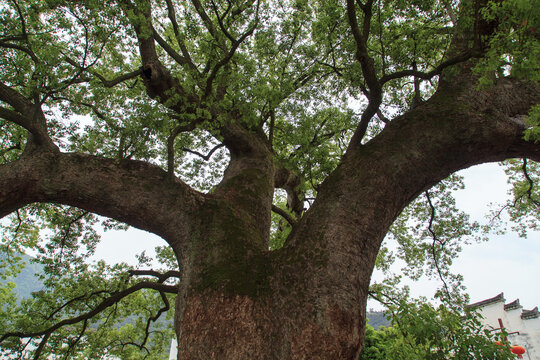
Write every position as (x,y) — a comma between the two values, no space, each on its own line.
(525,314)
(495,299)
(530,314)
(513,305)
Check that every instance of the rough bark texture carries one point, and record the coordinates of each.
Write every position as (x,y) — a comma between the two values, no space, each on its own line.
(307,301)
(304,301)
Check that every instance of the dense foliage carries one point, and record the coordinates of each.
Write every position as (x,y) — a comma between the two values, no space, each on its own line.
(422,331)
(294,71)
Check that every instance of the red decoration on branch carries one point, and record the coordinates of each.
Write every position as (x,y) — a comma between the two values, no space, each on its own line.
(518,350)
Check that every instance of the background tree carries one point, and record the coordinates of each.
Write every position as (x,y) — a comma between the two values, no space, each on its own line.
(421,331)
(115,109)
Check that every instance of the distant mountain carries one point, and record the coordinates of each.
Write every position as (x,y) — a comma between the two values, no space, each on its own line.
(27,281)
(378,319)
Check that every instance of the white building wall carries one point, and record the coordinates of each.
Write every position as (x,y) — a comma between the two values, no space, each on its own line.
(174,349)
(491,313)
(526,331)
(512,318)
(531,334)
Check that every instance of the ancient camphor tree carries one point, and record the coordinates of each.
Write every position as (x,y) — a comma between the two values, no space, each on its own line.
(107,108)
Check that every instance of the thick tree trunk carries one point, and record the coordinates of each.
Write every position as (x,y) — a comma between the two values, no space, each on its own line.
(308,300)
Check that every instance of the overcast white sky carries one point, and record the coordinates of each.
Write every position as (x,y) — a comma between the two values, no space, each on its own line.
(505,263)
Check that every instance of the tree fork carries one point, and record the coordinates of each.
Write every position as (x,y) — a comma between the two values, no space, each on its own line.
(307,300)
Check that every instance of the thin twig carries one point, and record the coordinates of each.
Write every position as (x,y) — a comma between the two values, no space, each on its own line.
(435,239)
(207,156)
(530,181)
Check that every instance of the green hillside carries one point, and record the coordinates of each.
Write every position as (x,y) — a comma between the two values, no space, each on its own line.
(26,281)
(377,319)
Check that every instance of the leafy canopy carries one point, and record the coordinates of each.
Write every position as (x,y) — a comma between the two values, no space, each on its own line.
(285,68)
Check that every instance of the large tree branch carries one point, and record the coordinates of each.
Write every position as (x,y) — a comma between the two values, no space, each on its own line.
(126,190)
(13,98)
(17,118)
(161,85)
(159,82)
(179,38)
(456,128)
(441,138)
(284,215)
(25,114)
(206,19)
(368,68)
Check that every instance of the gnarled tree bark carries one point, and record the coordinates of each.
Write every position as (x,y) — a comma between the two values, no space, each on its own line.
(307,300)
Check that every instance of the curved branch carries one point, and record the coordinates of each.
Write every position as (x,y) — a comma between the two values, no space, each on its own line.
(435,240)
(106,303)
(17,146)
(107,83)
(219,18)
(41,345)
(13,98)
(26,50)
(72,344)
(27,115)
(207,156)
(150,320)
(230,54)
(179,39)
(204,17)
(74,300)
(284,214)
(290,182)
(437,71)
(23,37)
(16,118)
(368,68)
(119,79)
(126,190)
(530,183)
(159,82)
(172,53)
(170,145)
(161,311)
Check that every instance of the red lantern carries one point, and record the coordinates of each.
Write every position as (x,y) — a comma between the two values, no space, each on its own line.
(518,350)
